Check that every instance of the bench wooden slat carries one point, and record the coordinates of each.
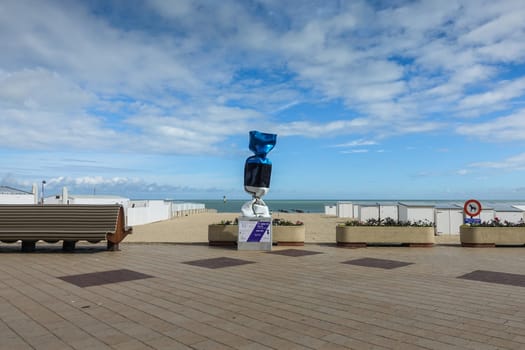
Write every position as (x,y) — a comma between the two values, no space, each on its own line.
(63,222)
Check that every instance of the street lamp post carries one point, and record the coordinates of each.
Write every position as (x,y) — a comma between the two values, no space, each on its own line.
(43,183)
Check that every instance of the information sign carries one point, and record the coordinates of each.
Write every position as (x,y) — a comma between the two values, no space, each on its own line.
(255,233)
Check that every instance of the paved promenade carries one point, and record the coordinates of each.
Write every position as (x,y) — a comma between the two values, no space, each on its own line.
(182,296)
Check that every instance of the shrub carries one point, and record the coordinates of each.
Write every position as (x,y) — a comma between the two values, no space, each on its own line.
(498,223)
(275,222)
(282,222)
(229,222)
(389,222)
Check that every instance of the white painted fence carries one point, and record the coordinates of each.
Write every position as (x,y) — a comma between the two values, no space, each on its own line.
(147,211)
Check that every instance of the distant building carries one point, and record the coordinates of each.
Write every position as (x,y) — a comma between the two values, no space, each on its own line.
(66,198)
(10,195)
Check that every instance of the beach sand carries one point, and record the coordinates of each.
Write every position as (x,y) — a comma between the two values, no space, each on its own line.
(194,228)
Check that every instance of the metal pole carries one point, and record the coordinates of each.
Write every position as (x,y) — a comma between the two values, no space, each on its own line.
(43,183)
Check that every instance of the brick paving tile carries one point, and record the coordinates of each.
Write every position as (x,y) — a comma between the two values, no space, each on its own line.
(378,263)
(217,263)
(161,343)
(14,344)
(294,252)
(271,303)
(512,279)
(210,345)
(103,277)
(254,346)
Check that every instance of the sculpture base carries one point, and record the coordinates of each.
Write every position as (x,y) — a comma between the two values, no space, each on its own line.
(255,233)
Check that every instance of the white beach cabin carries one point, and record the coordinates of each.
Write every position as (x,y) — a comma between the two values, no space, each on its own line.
(448,218)
(416,211)
(330,210)
(378,210)
(508,213)
(345,210)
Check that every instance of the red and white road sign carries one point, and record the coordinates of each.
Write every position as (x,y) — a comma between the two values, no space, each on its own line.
(472,207)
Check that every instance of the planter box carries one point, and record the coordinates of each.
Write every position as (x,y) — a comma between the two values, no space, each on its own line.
(491,236)
(361,236)
(221,235)
(289,235)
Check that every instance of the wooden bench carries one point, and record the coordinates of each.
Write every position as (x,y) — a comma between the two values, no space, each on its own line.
(67,223)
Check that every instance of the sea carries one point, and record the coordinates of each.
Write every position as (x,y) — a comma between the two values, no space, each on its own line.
(292,206)
(318,206)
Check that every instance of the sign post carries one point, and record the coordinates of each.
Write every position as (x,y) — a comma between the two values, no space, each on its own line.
(472,208)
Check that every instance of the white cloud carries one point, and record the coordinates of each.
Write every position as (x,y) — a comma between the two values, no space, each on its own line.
(516,162)
(357,143)
(502,92)
(185,76)
(41,90)
(502,129)
(311,129)
(353,151)
(504,26)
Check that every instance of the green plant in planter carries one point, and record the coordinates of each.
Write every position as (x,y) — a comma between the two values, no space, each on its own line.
(389,222)
(282,222)
(229,222)
(498,223)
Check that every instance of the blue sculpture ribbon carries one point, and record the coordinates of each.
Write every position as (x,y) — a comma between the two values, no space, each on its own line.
(258,171)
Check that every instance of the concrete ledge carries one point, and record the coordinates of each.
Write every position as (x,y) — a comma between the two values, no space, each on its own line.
(359,236)
(491,236)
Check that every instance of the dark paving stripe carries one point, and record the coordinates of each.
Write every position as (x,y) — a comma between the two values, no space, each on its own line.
(104,277)
(379,263)
(495,277)
(217,263)
(294,252)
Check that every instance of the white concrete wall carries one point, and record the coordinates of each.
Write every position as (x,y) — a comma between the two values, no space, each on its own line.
(144,212)
(99,200)
(17,199)
(57,199)
(182,209)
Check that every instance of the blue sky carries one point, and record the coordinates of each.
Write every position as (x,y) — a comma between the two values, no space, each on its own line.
(369,99)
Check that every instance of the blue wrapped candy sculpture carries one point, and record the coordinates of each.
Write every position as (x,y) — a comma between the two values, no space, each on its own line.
(257,173)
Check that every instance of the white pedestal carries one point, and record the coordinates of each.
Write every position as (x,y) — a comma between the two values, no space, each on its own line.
(255,233)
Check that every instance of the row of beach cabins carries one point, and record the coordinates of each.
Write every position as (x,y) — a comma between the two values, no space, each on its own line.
(137,212)
(446,217)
